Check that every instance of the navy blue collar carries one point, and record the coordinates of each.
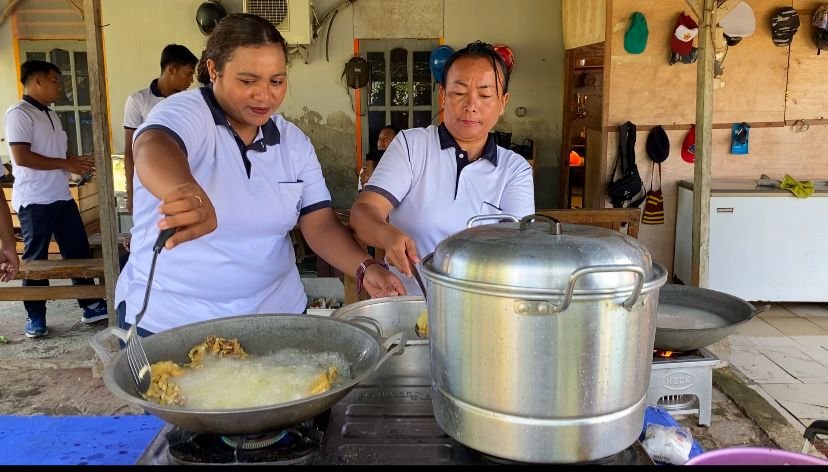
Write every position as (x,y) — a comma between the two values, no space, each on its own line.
(270,132)
(155,90)
(447,141)
(35,103)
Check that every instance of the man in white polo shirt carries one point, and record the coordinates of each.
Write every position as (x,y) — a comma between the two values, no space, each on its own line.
(177,69)
(41,167)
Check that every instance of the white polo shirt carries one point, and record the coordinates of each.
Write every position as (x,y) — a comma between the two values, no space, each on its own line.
(435,189)
(139,105)
(247,265)
(31,122)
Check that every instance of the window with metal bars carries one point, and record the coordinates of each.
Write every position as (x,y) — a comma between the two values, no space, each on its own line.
(73,106)
(401,91)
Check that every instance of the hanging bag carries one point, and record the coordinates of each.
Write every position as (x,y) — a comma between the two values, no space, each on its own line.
(628,190)
(654,206)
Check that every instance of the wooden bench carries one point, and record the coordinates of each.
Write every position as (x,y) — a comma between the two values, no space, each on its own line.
(57,269)
(618,219)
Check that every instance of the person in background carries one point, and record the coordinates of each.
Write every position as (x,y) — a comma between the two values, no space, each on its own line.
(9,261)
(233,178)
(386,135)
(177,69)
(432,180)
(41,167)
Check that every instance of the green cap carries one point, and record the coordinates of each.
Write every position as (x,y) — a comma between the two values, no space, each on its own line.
(635,39)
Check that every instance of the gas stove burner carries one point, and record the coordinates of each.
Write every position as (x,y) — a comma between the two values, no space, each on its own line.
(258,441)
(677,402)
(702,354)
(298,445)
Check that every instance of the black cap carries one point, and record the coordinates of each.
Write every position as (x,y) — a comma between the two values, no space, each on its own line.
(658,145)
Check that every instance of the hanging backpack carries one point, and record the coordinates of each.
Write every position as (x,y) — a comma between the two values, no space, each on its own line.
(628,190)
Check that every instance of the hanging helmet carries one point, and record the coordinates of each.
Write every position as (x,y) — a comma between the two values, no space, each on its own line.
(208,15)
(439,56)
(819,22)
(508,57)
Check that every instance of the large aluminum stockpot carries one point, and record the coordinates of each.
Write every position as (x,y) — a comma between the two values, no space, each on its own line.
(541,338)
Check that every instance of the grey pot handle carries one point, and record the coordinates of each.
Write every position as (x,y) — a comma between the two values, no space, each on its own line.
(503,217)
(97,342)
(570,287)
(369,321)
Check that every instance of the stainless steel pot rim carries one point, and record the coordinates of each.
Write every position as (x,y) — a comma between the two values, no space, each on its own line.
(344,313)
(113,386)
(483,288)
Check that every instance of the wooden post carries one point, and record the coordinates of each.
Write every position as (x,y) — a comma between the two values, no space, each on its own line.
(103,157)
(704,149)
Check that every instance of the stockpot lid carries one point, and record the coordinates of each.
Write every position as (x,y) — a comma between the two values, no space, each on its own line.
(541,253)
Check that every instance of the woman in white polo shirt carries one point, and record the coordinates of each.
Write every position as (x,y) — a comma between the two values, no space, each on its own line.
(234,179)
(432,180)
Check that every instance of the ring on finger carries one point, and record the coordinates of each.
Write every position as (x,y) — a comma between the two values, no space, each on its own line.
(200,203)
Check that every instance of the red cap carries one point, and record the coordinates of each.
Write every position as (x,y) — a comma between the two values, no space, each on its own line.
(681,41)
(688,147)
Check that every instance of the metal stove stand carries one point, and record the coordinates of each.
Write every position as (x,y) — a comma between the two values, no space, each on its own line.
(684,384)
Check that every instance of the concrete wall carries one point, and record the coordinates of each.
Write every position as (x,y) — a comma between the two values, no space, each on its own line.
(8,82)
(531,28)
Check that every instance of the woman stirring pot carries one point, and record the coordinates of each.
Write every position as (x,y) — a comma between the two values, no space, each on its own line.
(432,180)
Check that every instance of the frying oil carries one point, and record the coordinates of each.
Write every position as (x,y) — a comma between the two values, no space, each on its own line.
(283,376)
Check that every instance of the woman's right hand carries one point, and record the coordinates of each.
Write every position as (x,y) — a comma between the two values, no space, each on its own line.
(400,251)
(189,209)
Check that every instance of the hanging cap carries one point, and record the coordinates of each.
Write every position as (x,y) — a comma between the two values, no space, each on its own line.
(658,145)
(681,42)
(635,39)
(688,147)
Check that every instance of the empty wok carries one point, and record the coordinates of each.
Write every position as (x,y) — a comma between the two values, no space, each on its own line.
(690,318)
(258,334)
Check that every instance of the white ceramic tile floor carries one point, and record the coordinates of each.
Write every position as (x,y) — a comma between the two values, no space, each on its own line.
(784,354)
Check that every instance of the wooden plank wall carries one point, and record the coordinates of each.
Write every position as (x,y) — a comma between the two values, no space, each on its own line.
(759,88)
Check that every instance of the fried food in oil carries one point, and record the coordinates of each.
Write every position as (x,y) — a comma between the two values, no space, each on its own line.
(218,347)
(324,382)
(162,389)
(421,327)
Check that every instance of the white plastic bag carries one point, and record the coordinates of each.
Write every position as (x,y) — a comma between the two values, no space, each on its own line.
(668,444)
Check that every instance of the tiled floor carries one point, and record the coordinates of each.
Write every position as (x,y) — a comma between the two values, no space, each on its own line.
(784,354)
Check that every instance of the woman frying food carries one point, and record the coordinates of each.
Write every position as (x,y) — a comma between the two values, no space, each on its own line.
(233,178)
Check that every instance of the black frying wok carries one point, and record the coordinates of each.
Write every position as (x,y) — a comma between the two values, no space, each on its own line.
(690,318)
(258,334)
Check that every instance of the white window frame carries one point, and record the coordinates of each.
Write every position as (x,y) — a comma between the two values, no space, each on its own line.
(386,46)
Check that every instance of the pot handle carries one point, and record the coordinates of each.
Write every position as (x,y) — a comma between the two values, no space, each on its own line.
(554,223)
(570,288)
(370,321)
(761,309)
(97,342)
(475,219)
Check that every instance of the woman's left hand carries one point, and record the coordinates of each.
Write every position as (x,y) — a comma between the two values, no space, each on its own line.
(380,282)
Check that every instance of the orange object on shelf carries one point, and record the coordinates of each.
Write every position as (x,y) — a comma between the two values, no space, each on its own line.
(575,159)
